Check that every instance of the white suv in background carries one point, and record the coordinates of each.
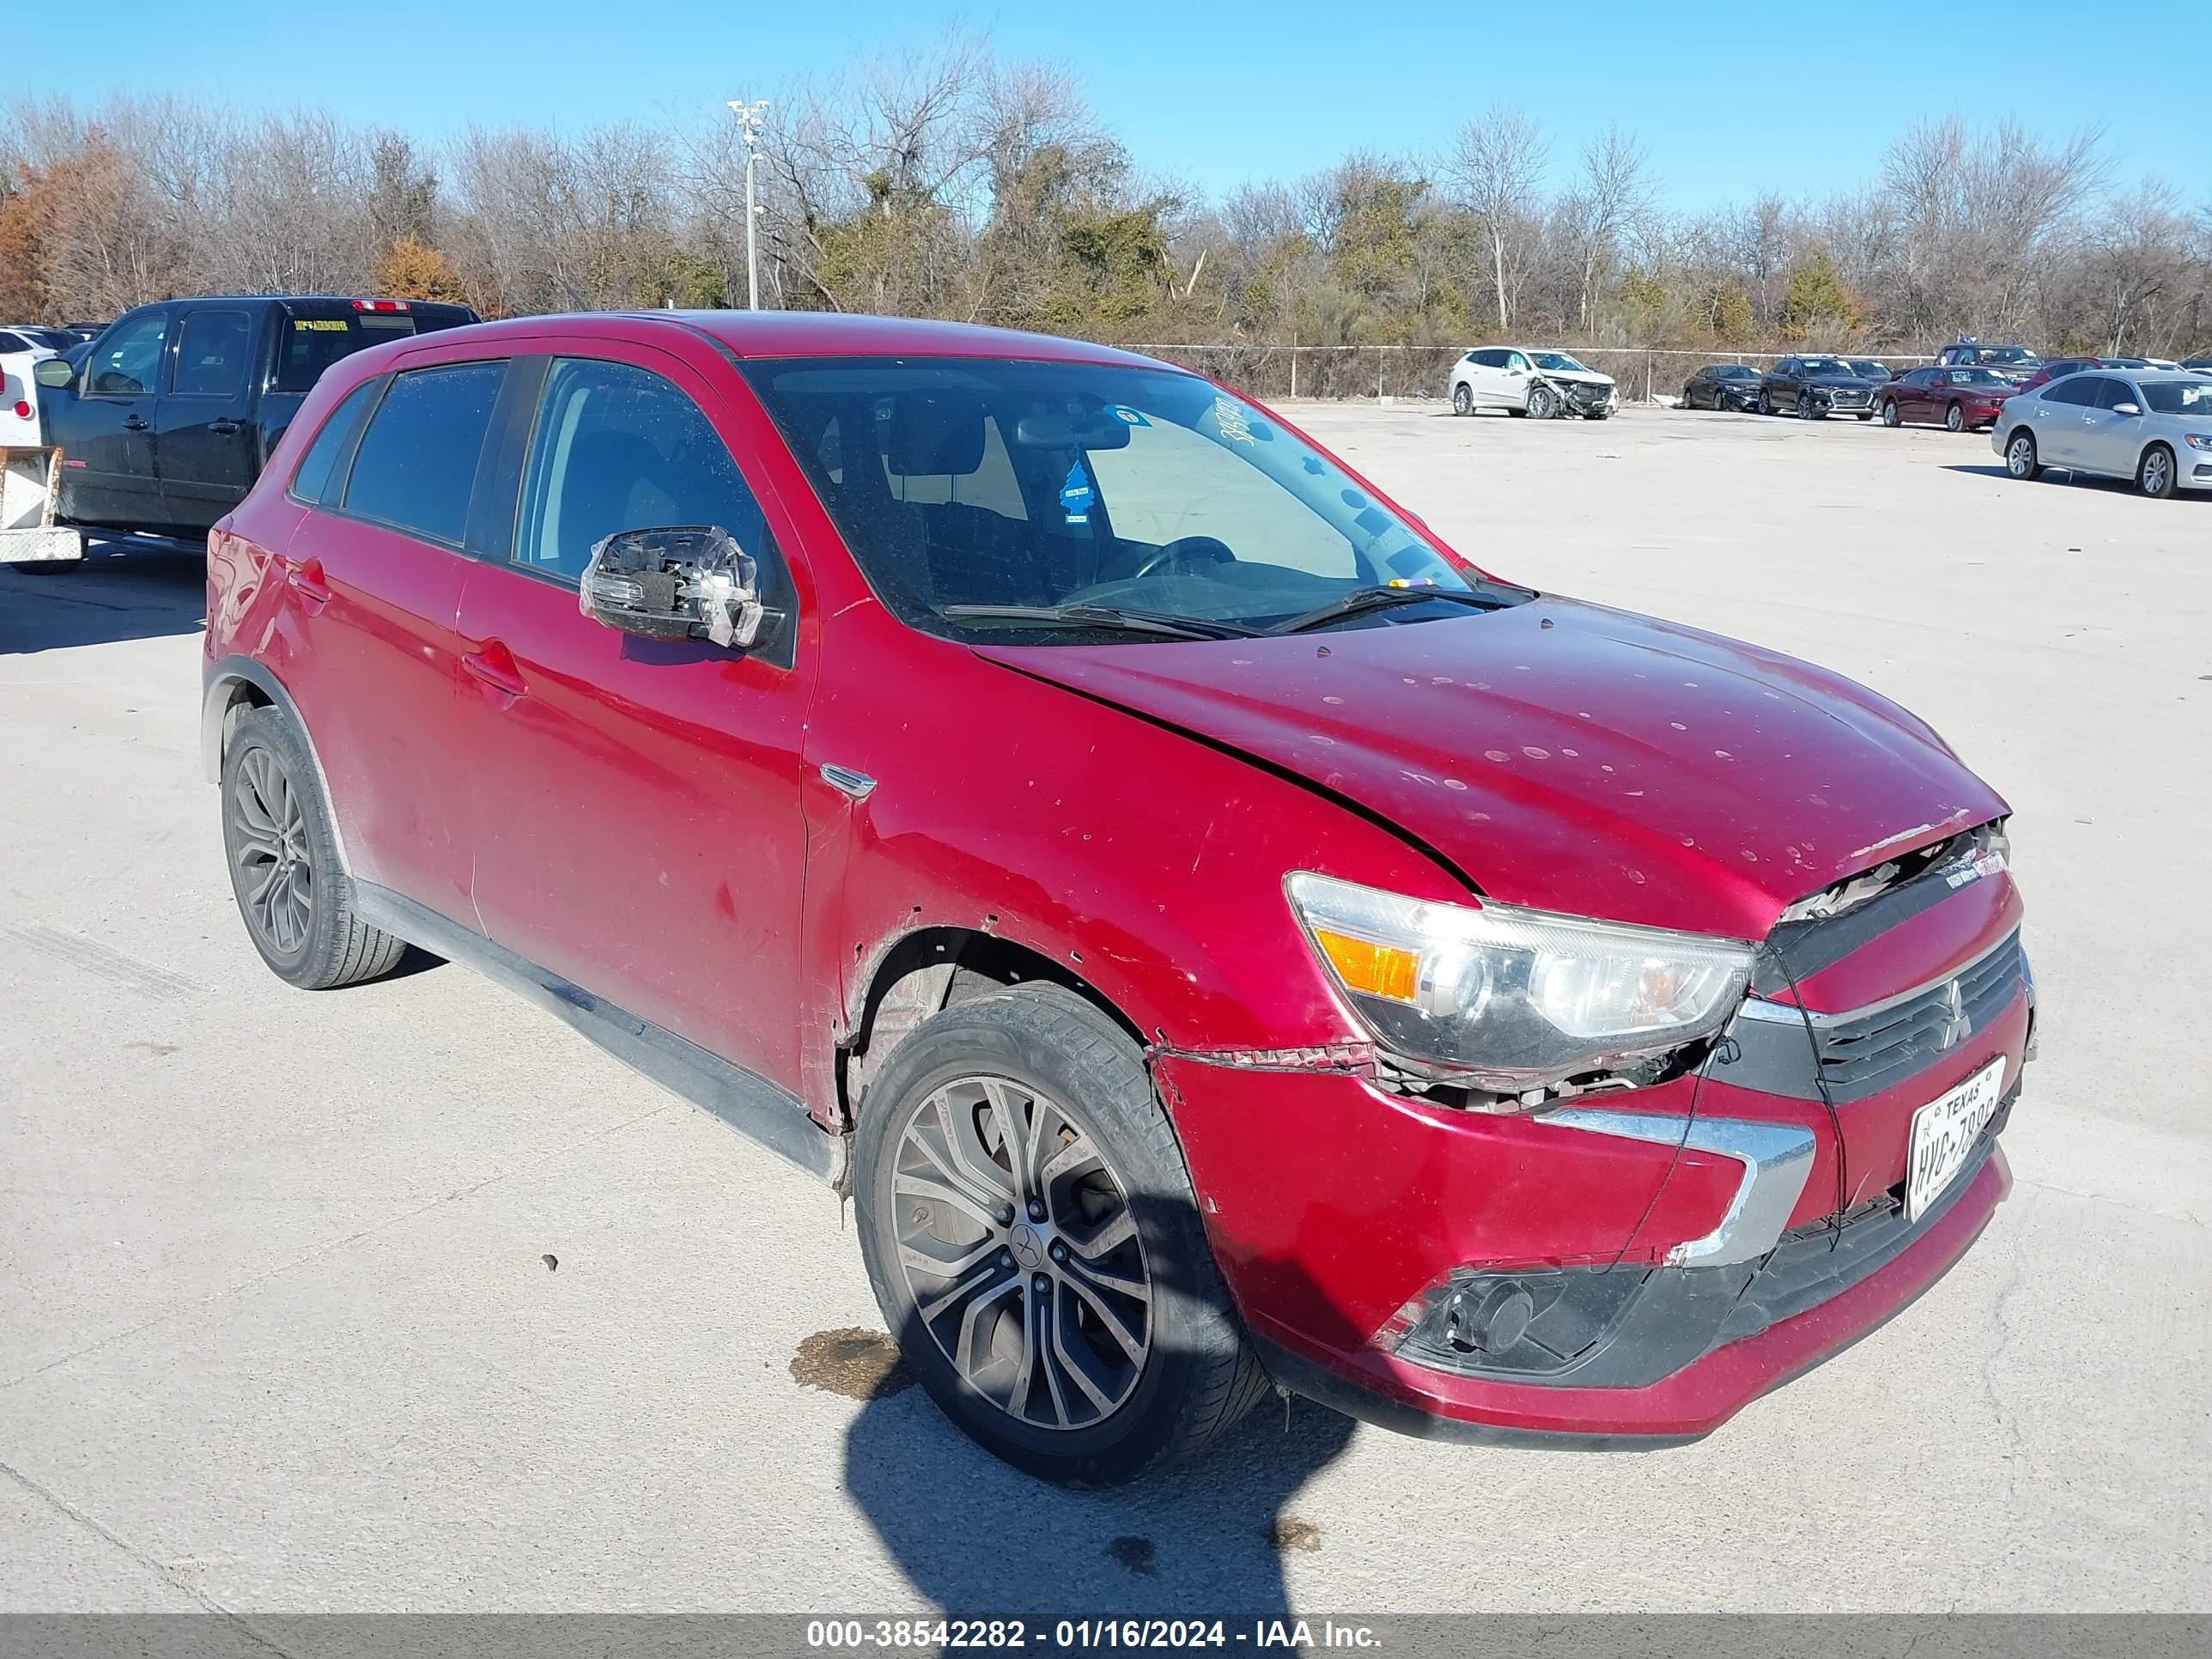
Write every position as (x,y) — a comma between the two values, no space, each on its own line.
(1530,380)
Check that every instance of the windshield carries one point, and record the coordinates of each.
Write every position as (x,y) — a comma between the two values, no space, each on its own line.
(983,482)
(2178,397)
(2008,357)
(1975,377)
(1558,360)
(1825,366)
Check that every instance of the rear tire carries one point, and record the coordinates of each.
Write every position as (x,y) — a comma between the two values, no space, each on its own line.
(2020,461)
(1955,419)
(1462,399)
(937,1177)
(1889,415)
(292,893)
(2155,473)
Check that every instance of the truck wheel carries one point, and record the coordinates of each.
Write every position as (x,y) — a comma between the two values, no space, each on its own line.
(295,899)
(1954,418)
(1462,399)
(1032,1239)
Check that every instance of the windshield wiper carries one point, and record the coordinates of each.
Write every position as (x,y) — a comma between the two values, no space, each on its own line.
(1361,600)
(1103,617)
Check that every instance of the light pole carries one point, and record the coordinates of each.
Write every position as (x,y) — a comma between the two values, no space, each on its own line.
(749,118)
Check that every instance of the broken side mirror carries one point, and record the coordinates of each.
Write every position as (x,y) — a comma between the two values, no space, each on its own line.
(689,582)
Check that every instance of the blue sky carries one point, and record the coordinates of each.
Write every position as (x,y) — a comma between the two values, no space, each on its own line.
(1731,99)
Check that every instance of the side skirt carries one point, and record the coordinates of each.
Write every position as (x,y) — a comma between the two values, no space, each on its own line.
(748,1102)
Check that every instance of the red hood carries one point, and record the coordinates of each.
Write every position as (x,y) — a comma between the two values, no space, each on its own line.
(1570,756)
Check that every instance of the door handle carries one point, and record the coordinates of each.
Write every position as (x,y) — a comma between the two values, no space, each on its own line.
(306,576)
(223,428)
(493,665)
(134,424)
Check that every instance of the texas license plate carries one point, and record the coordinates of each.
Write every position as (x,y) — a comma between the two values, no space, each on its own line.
(1944,1131)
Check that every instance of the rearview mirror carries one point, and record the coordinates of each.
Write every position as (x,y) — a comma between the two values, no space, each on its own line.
(689,583)
(54,372)
(1059,431)
(2126,409)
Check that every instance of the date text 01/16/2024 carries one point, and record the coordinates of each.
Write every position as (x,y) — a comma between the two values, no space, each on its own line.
(944,1635)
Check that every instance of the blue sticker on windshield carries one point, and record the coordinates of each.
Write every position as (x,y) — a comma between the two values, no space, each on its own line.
(1076,495)
(1126,415)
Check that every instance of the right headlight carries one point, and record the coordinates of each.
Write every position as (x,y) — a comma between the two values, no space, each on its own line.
(1510,999)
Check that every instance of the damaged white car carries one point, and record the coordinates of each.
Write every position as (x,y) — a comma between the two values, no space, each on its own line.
(1530,380)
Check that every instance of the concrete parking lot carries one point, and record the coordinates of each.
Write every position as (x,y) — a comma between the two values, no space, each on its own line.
(405,1298)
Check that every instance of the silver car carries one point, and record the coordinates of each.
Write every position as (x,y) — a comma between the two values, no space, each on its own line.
(2153,426)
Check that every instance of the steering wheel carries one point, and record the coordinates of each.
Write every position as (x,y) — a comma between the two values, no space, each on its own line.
(1182,547)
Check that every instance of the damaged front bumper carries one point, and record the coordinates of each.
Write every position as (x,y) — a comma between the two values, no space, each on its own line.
(1629,1269)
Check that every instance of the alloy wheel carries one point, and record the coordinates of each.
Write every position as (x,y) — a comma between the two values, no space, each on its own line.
(1954,417)
(1889,415)
(2156,476)
(2020,456)
(1021,1253)
(269,846)
(1462,399)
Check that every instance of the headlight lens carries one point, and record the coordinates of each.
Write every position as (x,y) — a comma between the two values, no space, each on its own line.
(1510,999)
(2197,439)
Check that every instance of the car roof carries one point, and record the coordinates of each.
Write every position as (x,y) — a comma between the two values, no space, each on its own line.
(843,334)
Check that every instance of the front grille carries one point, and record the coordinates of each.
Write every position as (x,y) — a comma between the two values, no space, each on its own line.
(1865,1055)
(1847,399)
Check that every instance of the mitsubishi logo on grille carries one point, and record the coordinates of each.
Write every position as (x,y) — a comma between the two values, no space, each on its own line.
(1956,1026)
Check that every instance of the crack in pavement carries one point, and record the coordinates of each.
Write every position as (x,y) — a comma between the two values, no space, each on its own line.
(2015,1280)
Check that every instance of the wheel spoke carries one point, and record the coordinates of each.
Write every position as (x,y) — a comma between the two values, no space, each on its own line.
(921,1260)
(964,1351)
(1111,1236)
(1074,1361)
(1116,1327)
(1074,1156)
(917,1186)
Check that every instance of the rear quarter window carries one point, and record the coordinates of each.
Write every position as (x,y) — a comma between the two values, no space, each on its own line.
(312,476)
(418,461)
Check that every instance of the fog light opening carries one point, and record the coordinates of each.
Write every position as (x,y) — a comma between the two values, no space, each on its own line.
(1490,1324)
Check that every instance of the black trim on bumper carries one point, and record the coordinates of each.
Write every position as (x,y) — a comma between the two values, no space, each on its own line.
(1630,1326)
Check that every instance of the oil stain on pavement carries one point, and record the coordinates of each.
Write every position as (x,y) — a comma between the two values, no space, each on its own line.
(860,1364)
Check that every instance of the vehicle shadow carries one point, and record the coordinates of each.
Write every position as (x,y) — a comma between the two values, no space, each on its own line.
(111,596)
(977,1536)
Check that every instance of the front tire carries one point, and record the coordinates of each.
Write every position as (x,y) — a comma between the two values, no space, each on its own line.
(1765,405)
(1462,399)
(1032,1238)
(1543,404)
(2154,472)
(1955,419)
(292,893)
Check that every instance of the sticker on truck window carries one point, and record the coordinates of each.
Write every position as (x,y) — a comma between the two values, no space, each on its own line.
(319,325)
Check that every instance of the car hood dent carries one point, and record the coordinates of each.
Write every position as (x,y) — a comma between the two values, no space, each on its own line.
(1566,755)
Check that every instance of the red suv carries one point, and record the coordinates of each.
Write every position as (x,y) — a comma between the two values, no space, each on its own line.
(1215,934)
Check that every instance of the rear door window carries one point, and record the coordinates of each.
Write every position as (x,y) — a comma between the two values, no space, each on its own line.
(2080,389)
(418,461)
(213,348)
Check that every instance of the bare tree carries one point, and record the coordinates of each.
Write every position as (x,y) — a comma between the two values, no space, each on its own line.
(1496,165)
(1615,190)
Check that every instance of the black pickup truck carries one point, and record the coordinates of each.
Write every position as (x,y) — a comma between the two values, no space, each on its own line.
(164,423)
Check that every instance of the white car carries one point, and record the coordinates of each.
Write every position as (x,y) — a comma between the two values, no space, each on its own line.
(2154,428)
(20,354)
(1530,380)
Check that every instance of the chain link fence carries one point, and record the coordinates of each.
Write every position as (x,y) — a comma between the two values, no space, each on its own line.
(1414,374)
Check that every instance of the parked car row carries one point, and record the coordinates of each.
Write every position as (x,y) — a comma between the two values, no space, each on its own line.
(2143,418)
